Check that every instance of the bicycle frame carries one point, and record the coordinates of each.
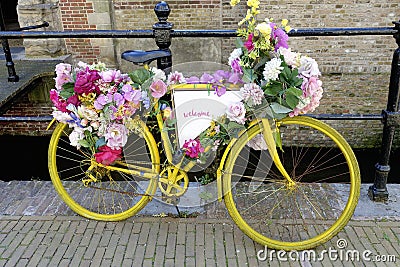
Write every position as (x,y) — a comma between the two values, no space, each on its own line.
(148,173)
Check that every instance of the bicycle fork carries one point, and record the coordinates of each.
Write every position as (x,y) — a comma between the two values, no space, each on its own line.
(269,139)
(271,145)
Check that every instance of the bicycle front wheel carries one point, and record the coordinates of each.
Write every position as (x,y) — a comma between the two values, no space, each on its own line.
(116,195)
(296,216)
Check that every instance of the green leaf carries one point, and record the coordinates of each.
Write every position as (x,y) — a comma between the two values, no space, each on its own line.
(292,100)
(285,75)
(278,140)
(248,75)
(67,91)
(280,109)
(234,125)
(84,143)
(295,72)
(239,43)
(297,82)
(140,75)
(273,88)
(294,91)
(261,63)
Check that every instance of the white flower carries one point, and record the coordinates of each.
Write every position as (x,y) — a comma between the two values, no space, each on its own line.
(236,53)
(76,135)
(291,58)
(272,69)
(61,116)
(158,74)
(87,113)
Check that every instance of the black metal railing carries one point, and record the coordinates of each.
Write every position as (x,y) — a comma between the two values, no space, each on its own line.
(163,32)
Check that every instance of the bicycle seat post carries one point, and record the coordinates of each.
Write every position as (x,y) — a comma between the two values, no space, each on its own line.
(162,34)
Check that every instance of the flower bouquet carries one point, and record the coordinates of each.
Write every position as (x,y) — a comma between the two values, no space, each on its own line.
(275,82)
(99,105)
(290,81)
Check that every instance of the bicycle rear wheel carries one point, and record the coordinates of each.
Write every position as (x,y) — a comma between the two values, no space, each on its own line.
(303,216)
(116,195)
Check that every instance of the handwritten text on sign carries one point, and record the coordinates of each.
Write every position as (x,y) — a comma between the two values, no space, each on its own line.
(195,109)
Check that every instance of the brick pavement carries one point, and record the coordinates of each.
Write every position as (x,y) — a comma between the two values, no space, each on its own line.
(57,237)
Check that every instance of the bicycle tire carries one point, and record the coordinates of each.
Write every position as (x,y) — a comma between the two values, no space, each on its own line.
(299,217)
(109,199)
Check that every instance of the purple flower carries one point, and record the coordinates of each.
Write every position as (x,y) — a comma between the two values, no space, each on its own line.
(130,94)
(282,37)
(207,78)
(221,75)
(219,90)
(193,80)
(102,100)
(193,148)
(235,78)
(119,99)
(236,66)
(111,76)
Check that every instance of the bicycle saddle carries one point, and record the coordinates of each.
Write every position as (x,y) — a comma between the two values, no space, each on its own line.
(144,57)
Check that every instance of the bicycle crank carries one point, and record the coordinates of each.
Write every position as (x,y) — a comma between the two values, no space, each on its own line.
(173,182)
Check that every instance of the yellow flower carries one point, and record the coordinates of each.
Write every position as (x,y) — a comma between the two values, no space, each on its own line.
(264,28)
(253,3)
(234,2)
(87,98)
(247,18)
(287,28)
(167,112)
(284,22)
(254,11)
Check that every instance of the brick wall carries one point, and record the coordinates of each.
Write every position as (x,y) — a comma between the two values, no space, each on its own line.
(360,64)
(74,16)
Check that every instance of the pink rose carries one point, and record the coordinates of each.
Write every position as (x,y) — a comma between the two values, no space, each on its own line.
(86,81)
(308,67)
(107,155)
(158,88)
(237,112)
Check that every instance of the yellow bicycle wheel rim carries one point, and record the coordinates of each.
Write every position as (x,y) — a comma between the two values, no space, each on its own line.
(80,209)
(320,237)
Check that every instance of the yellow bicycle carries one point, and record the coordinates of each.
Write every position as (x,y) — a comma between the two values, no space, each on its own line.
(297,197)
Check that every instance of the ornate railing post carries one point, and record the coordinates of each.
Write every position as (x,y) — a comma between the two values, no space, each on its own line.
(162,32)
(12,76)
(378,191)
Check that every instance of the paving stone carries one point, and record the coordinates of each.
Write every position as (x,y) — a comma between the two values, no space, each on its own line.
(68,240)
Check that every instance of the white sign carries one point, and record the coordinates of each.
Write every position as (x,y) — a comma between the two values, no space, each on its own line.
(195,109)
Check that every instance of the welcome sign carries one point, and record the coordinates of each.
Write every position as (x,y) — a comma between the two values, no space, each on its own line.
(196,107)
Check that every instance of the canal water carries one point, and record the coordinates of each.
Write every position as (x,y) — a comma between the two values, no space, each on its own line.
(25,158)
